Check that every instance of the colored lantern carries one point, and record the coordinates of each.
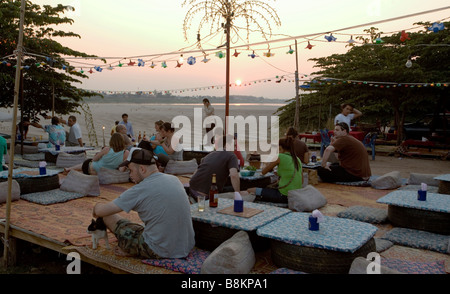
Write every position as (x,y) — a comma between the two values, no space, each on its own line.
(309,46)
(220,54)
(141,63)
(252,55)
(351,41)
(291,51)
(404,36)
(131,63)
(436,27)
(236,54)
(163,64)
(330,38)
(191,60)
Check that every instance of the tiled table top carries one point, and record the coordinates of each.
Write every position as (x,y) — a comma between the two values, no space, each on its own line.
(336,234)
(67,149)
(211,216)
(445,178)
(403,198)
(22,173)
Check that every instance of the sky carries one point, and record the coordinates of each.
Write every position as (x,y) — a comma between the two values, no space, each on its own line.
(146,29)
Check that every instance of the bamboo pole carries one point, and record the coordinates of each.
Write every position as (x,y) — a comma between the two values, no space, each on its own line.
(227,56)
(13,132)
(297,97)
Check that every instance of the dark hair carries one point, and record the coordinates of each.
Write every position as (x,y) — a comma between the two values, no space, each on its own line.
(291,132)
(205,100)
(124,115)
(167,126)
(344,126)
(343,105)
(288,144)
(159,123)
(55,120)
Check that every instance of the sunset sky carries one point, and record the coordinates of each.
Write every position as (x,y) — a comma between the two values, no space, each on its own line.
(132,29)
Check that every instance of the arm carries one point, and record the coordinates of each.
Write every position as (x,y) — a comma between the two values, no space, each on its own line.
(105,209)
(100,154)
(356,113)
(326,155)
(270,166)
(80,141)
(235,179)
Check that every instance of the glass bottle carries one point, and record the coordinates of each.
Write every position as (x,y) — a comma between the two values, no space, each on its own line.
(139,137)
(213,191)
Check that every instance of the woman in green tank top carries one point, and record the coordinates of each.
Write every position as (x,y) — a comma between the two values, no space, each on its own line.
(289,172)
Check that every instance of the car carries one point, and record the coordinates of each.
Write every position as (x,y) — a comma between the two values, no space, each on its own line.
(434,127)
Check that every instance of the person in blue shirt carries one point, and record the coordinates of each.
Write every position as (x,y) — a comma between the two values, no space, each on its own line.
(3,150)
(128,125)
(56,133)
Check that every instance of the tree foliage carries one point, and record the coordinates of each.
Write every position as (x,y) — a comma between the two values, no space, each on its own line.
(379,62)
(53,76)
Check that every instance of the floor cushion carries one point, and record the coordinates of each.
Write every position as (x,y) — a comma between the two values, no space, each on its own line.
(112,176)
(234,256)
(176,167)
(361,266)
(306,199)
(391,180)
(51,196)
(192,264)
(365,214)
(15,191)
(68,160)
(417,179)
(81,183)
(419,239)
(414,267)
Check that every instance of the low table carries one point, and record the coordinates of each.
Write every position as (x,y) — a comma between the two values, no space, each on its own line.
(331,249)
(432,215)
(51,154)
(30,181)
(444,183)
(213,228)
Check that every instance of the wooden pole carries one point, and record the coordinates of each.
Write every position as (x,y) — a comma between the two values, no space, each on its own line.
(297,96)
(227,91)
(13,132)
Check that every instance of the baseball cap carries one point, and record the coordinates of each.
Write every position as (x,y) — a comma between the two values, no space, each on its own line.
(140,156)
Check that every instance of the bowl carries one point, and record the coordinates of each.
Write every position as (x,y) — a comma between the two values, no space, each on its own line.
(247,173)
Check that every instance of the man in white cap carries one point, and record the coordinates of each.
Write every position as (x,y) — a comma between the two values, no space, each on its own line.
(162,204)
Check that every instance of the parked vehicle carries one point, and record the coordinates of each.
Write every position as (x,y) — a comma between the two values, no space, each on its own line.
(432,127)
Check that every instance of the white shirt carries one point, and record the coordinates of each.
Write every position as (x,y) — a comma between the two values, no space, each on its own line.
(342,118)
(75,133)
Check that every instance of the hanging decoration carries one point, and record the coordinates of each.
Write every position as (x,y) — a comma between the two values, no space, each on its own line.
(220,54)
(205,60)
(236,54)
(309,46)
(110,67)
(131,63)
(351,41)
(152,65)
(163,64)
(98,68)
(330,38)
(191,60)
(269,54)
(253,55)
(378,41)
(436,27)
(291,51)
(141,63)
(404,36)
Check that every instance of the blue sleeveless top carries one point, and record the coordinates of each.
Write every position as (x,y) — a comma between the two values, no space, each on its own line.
(110,160)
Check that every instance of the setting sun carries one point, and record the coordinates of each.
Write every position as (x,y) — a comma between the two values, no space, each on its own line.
(238,82)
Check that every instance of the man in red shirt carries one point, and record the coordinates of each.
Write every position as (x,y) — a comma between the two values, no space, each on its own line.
(354,161)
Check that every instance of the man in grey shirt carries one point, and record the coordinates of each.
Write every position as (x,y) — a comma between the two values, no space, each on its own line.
(161,203)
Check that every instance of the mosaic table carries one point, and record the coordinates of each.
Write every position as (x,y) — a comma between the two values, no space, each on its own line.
(432,215)
(213,228)
(331,249)
(30,181)
(444,183)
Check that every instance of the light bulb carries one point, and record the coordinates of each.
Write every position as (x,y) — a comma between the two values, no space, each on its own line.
(408,63)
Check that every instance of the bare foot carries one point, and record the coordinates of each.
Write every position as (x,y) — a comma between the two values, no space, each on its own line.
(66,171)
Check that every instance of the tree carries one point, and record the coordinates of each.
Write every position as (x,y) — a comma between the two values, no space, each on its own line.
(45,74)
(252,12)
(347,78)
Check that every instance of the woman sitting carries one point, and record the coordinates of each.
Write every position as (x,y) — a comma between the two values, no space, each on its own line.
(109,157)
(289,171)
(158,149)
(171,144)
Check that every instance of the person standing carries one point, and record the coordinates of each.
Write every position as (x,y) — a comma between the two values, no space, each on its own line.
(349,113)
(354,163)
(208,110)
(74,136)
(128,125)
(162,205)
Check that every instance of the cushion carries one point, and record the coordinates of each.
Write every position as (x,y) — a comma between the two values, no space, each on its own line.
(417,179)
(364,214)
(234,256)
(286,271)
(181,167)
(419,239)
(360,266)
(68,160)
(112,176)
(390,180)
(382,244)
(192,264)
(51,196)
(81,183)
(413,267)
(430,189)
(306,199)
(34,157)
(15,191)
(27,149)
(230,195)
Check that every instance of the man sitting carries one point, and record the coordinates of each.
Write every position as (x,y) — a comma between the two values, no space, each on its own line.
(354,161)
(162,205)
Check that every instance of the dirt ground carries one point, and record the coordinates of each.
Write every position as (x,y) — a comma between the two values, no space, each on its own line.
(33,259)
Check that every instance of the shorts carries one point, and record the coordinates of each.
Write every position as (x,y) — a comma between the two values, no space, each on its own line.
(86,165)
(132,241)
